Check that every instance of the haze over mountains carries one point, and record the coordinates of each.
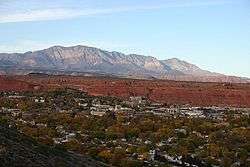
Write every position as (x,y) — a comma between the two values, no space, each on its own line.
(82,60)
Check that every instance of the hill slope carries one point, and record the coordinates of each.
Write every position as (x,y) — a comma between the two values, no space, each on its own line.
(163,91)
(19,150)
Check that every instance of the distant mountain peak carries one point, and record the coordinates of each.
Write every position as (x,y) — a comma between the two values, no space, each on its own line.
(187,68)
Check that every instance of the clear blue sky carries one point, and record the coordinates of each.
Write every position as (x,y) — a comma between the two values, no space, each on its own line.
(213,34)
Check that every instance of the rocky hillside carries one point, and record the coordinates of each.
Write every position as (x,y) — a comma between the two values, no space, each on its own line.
(81,59)
(19,150)
(162,91)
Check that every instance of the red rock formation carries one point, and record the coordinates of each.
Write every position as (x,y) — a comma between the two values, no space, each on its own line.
(11,84)
(170,92)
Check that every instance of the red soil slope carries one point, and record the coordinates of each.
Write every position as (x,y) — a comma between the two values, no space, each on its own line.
(11,84)
(170,92)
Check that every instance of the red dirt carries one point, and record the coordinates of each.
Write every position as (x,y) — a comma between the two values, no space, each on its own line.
(11,84)
(170,92)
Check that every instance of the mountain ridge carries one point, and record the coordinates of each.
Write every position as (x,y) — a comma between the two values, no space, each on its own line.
(82,59)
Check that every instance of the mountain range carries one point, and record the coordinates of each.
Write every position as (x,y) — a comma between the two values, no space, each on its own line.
(83,60)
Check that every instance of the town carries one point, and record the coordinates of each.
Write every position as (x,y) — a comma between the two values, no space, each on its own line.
(131,132)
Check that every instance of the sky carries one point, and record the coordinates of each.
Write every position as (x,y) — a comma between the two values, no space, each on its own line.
(213,34)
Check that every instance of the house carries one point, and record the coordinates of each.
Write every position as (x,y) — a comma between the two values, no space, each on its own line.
(39,100)
(12,112)
(16,97)
(148,142)
(137,100)
(83,104)
(98,113)
(70,136)
(195,113)
(152,155)
(160,111)
(173,159)
(119,108)
(57,140)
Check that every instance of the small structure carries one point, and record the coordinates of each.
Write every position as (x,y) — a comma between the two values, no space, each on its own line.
(98,113)
(152,155)
(39,100)
(137,101)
